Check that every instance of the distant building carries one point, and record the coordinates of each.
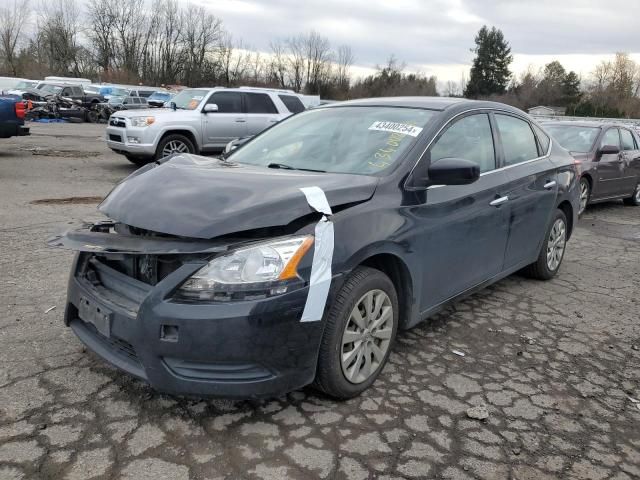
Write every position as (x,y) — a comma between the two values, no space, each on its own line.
(542,110)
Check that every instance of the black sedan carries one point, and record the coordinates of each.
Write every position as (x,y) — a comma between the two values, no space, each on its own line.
(608,156)
(297,258)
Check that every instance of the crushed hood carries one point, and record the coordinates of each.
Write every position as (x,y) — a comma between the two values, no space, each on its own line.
(200,197)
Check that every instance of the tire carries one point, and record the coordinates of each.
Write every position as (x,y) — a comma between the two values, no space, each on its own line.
(331,375)
(543,268)
(93,116)
(177,139)
(634,200)
(139,161)
(585,194)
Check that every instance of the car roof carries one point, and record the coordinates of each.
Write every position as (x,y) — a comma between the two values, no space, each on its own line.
(429,103)
(585,123)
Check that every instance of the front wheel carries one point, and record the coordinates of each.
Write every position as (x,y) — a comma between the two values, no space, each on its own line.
(172,144)
(585,193)
(360,331)
(635,198)
(552,251)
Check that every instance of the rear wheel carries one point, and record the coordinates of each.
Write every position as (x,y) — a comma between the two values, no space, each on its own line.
(635,198)
(360,331)
(585,193)
(172,144)
(552,251)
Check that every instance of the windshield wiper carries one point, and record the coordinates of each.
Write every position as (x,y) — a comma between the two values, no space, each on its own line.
(289,167)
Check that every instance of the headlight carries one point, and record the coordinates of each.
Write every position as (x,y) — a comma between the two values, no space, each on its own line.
(142,121)
(259,271)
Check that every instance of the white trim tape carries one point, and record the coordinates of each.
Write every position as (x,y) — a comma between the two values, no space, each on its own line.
(320,279)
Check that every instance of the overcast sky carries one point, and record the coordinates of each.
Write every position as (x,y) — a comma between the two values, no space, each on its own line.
(435,36)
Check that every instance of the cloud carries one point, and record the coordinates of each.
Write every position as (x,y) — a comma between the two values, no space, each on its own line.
(437,35)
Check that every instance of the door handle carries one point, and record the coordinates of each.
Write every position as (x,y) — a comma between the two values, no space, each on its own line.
(550,185)
(240,120)
(499,201)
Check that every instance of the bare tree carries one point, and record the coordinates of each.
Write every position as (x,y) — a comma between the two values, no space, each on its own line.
(318,58)
(58,27)
(344,60)
(13,18)
(102,18)
(278,64)
(202,34)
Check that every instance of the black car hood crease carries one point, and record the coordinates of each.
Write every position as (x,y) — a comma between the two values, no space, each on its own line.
(200,197)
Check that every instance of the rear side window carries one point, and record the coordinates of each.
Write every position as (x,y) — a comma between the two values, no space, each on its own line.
(518,142)
(469,138)
(543,139)
(228,102)
(260,103)
(611,137)
(627,139)
(293,104)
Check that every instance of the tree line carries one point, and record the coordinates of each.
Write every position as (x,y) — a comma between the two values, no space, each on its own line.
(167,42)
(610,90)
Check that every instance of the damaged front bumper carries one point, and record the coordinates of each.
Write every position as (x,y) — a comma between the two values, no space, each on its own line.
(121,305)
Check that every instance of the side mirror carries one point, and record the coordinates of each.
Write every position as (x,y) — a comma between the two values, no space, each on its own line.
(609,150)
(210,108)
(453,171)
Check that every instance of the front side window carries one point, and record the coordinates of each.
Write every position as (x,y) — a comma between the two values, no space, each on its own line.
(469,138)
(627,139)
(358,140)
(228,102)
(259,103)
(518,142)
(611,137)
(574,138)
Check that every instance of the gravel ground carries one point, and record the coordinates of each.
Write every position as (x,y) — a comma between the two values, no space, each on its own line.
(556,365)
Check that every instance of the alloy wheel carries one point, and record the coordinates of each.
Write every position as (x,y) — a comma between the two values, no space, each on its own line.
(174,146)
(584,195)
(556,244)
(367,336)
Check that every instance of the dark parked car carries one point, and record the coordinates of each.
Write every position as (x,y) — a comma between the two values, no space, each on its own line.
(74,92)
(298,258)
(12,113)
(608,157)
(128,103)
(158,99)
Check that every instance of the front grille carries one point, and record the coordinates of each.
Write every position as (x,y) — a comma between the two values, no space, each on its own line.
(118,346)
(117,122)
(149,269)
(115,138)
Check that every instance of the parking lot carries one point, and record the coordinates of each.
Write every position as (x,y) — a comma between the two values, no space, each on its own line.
(557,365)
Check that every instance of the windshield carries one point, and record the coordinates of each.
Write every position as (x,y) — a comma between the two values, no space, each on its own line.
(160,96)
(50,88)
(189,99)
(359,140)
(573,137)
(24,84)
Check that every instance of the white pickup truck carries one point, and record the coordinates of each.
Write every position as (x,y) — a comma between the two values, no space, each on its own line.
(198,120)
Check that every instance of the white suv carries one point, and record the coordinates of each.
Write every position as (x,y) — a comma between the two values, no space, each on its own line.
(200,120)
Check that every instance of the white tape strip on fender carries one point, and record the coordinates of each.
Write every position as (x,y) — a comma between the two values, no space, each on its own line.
(320,279)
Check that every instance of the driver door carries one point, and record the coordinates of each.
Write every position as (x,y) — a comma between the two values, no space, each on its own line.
(464,227)
(610,167)
(228,123)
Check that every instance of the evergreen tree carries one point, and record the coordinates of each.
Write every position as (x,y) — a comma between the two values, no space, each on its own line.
(490,70)
(571,88)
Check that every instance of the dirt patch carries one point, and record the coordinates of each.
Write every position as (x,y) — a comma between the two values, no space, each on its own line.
(67,201)
(47,152)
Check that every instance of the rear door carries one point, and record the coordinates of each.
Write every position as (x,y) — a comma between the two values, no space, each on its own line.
(630,161)
(261,112)
(228,123)
(610,167)
(464,227)
(532,186)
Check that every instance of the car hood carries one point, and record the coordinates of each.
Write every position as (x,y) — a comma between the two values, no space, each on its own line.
(201,197)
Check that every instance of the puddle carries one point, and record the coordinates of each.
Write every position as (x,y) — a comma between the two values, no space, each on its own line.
(67,201)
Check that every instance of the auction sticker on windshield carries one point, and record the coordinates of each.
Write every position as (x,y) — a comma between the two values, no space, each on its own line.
(396,127)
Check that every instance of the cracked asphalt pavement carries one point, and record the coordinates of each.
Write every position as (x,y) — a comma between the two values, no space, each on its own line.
(556,366)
